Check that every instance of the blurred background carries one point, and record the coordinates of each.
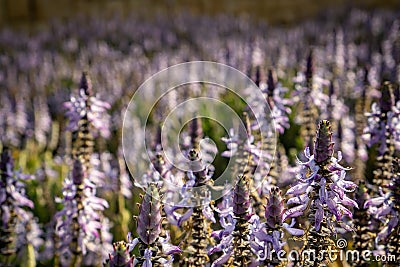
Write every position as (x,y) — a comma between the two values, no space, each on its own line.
(29,13)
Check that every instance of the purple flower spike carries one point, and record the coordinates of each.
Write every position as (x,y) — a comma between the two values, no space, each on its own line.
(274,209)
(321,192)
(268,237)
(236,239)
(241,198)
(149,219)
(387,209)
(323,148)
(88,107)
(13,202)
(154,246)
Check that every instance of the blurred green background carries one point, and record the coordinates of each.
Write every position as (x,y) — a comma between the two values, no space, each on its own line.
(28,13)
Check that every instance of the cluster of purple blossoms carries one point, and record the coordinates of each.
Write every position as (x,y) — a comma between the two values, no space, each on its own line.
(383,120)
(252,158)
(268,236)
(236,235)
(386,208)
(89,106)
(13,202)
(382,130)
(274,95)
(321,195)
(80,225)
(321,184)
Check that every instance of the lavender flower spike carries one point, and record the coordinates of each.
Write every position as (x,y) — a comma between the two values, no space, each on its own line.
(387,209)
(235,239)
(269,235)
(88,107)
(79,223)
(320,193)
(12,203)
(154,250)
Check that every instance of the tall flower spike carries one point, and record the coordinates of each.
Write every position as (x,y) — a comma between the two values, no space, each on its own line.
(235,238)
(86,107)
(12,203)
(320,195)
(323,148)
(248,159)
(199,217)
(312,101)
(383,122)
(149,219)
(268,236)
(154,250)
(386,208)
(81,226)
(79,222)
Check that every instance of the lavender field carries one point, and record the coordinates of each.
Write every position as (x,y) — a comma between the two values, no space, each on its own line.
(315,172)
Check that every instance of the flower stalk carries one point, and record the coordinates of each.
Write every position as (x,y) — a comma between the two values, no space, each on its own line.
(320,195)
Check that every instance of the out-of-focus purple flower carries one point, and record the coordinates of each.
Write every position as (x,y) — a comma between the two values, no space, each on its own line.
(13,201)
(88,106)
(274,92)
(386,208)
(309,94)
(197,176)
(252,158)
(382,130)
(274,100)
(383,120)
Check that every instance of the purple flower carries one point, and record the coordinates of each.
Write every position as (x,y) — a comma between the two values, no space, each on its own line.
(268,236)
(13,201)
(383,118)
(149,223)
(197,176)
(386,208)
(321,183)
(252,158)
(149,219)
(235,216)
(88,107)
(79,223)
